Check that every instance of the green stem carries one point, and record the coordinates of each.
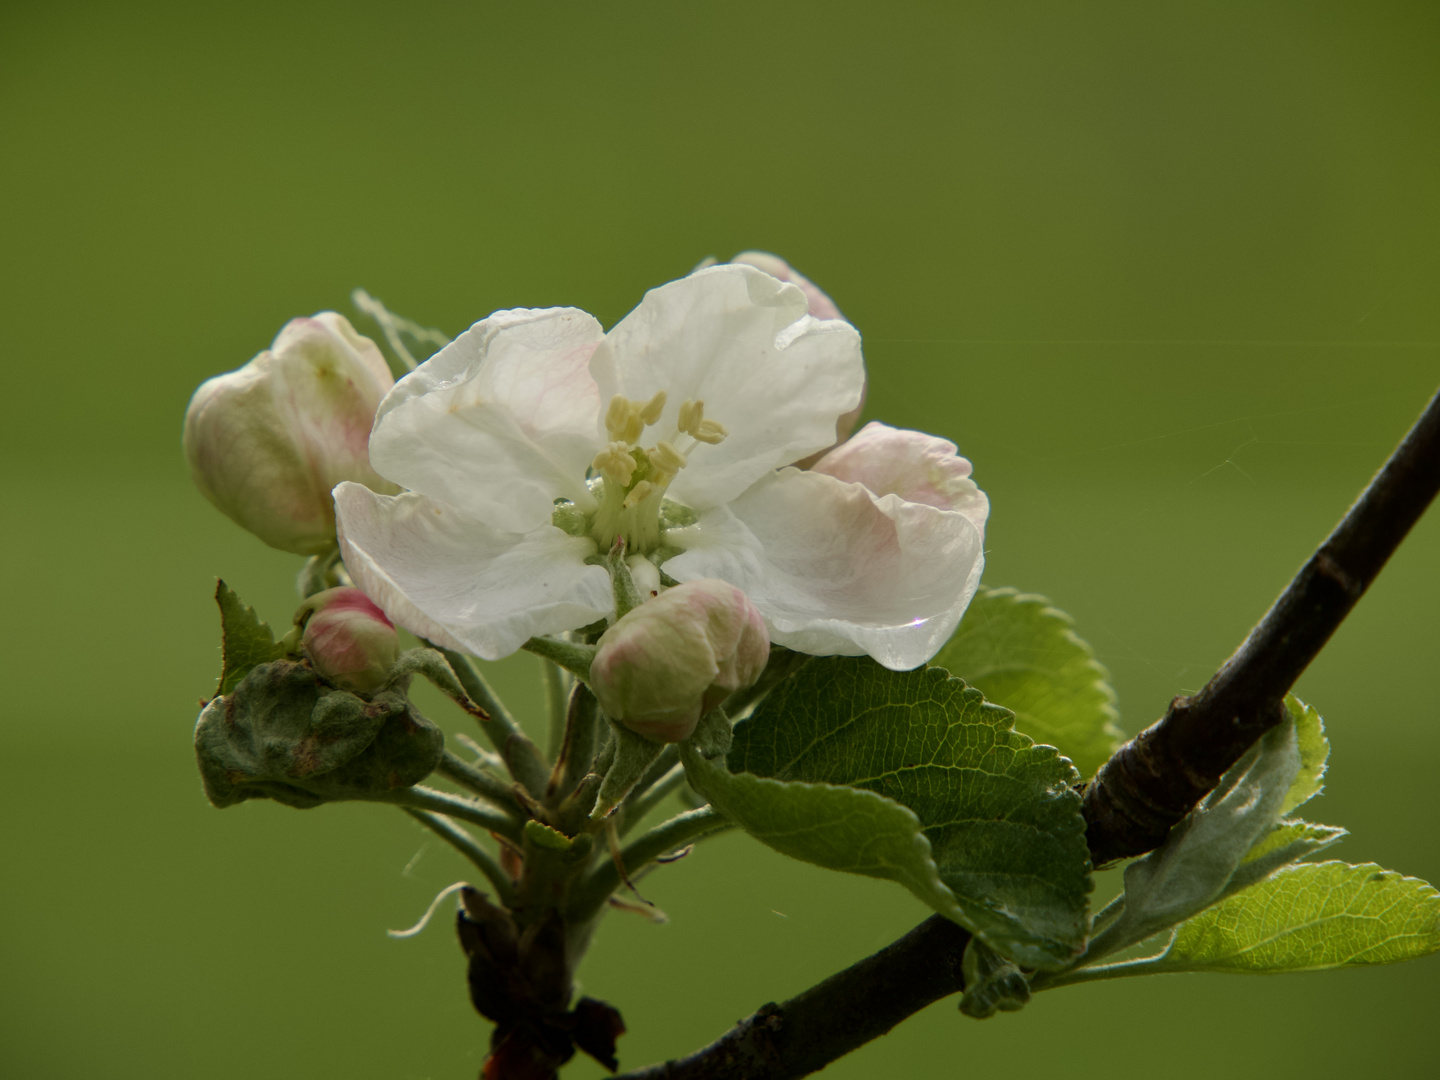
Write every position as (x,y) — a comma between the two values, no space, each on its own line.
(557,702)
(596,888)
(652,797)
(480,782)
(466,844)
(573,658)
(522,757)
(441,802)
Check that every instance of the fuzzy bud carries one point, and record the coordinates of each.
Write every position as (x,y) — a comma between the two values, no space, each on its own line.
(671,660)
(268,442)
(349,639)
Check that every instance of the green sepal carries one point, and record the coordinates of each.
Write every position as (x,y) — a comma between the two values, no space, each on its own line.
(992,983)
(282,734)
(543,836)
(1022,653)
(245,641)
(633,756)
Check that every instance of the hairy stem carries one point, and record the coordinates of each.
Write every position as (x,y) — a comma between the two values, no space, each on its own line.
(672,834)
(460,771)
(456,806)
(521,756)
(468,846)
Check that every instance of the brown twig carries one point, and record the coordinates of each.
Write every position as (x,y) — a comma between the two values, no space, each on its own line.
(1147,786)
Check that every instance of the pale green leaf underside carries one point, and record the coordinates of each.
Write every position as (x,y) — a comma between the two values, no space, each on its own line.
(245,641)
(1023,654)
(1002,821)
(839,828)
(1308,917)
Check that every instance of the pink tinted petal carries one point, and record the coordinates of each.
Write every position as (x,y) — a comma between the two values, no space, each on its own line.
(917,467)
(837,570)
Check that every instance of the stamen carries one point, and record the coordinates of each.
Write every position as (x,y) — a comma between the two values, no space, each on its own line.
(710,431)
(617,415)
(691,413)
(637,494)
(666,458)
(651,410)
(615,463)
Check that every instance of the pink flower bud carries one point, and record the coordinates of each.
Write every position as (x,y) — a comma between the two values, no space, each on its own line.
(349,639)
(821,307)
(268,442)
(671,660)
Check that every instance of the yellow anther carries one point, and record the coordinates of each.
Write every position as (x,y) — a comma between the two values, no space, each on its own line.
(691,413)
(617,416)
(637,494)
(650,411)
(615,463)
(666,458)
(710,431)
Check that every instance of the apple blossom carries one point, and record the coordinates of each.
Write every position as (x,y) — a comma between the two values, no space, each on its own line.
(536,439)
(671,660)
(268,442)
(349,639)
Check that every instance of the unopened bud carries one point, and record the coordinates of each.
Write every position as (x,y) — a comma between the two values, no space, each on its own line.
(671,660)
(268,442)
(349,639)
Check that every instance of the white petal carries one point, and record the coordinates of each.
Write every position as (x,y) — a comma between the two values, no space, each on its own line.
(501,421)
(444,575)
(836,570)
(820,305)
(739,340)
(911,464)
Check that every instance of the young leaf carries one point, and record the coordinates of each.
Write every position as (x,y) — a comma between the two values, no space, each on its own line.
(1003,825)
(1191,870)
(245,641)
(839,828)
(1314,751)
(1309,917)
(1021,653)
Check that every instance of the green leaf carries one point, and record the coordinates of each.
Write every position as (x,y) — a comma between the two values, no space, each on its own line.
(1193,867)
(245,641)
(1021,653)
(1314,751)
(1001,819)
(992,983)
(1309,917)
(839,828)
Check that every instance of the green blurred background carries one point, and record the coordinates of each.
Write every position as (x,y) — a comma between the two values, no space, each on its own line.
(1167,273)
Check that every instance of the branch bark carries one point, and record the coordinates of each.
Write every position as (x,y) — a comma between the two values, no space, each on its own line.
(1146,787)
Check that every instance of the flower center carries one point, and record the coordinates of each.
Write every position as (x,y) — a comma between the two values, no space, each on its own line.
(630,480)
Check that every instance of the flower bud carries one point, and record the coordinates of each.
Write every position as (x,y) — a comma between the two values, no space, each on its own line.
(349,639)
(268,442)
(671,660)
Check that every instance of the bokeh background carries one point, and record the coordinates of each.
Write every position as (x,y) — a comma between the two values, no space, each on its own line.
(1167,273)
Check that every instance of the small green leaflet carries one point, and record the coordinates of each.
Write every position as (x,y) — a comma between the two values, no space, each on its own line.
(1308,917)
(1314,752)
(245,641)
(1002,824)
(1021,653)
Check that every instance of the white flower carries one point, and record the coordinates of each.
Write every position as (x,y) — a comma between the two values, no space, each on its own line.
(534,439)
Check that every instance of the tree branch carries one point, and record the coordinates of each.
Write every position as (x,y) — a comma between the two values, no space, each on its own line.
(1148,785)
